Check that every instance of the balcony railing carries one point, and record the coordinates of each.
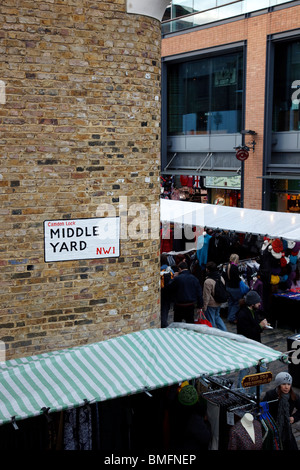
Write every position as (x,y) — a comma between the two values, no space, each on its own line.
(212,15)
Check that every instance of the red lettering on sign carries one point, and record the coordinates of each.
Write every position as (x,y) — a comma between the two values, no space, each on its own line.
(105,251)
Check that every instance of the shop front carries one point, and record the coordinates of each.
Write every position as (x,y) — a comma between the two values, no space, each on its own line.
(225,191)
(218,190)
(285,195)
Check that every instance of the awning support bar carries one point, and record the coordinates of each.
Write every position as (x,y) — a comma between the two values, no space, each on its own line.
(208,156)
(167,166)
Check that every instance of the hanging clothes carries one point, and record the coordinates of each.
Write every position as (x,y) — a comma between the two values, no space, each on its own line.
(78,429)
(219,403)
(166,237)
(240,439)
(202,249)
(219,248)
(271,438)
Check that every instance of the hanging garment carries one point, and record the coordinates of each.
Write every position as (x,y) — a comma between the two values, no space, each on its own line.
(240,439)
(78,429)
(202,251)
(219,403)
(271,440)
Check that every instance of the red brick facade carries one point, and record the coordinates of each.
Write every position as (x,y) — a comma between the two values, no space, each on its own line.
(255,31)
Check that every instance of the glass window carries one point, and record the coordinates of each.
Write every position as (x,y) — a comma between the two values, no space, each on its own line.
(182,7)
(206,95)
(285,196)
(200,5)
(226,94)
(286,116)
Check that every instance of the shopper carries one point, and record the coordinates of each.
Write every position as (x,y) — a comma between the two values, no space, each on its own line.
(186,291)
(249,323)
(194,434)
(211,307)
(166,275)
(233,287)
(282,403)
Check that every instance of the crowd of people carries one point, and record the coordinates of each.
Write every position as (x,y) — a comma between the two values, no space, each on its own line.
(191,294)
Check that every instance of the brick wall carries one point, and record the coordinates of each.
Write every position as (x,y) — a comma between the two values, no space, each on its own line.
(80,128)
(254,30)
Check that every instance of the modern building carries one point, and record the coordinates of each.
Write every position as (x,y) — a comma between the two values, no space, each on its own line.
(230,107)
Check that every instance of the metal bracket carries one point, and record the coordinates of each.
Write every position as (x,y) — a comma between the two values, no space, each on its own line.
(166,167)
(208,156)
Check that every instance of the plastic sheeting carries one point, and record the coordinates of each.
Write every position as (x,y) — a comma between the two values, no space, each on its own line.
(273,224)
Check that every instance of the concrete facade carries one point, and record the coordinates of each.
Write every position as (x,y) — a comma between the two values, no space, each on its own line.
(80,130)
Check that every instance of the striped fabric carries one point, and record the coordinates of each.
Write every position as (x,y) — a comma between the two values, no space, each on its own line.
(117,367)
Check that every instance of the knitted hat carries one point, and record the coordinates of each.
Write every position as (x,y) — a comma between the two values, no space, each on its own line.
(277,245)
(293,259)
(285,245)
(291,244)
(296,246)
(283,378)
(265,244)
(275,279)
(188,395)
(252,298)
(284,260)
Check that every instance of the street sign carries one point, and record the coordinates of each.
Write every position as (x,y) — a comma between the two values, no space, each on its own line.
(257,379)
(242,155)
(77,239)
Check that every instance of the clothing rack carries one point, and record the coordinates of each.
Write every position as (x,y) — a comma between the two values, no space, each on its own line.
(233,392)
(239,394)
(241,261)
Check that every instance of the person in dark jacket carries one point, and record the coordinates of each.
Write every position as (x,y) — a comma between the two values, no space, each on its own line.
(233,287)
(186,292)
(249,323)
(194,434)
(283,401)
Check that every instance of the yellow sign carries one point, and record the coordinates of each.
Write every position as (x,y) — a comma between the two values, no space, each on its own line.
(257,379)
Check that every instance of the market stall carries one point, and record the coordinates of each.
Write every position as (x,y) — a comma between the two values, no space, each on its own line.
(136,365)
(266,223)
(266,242)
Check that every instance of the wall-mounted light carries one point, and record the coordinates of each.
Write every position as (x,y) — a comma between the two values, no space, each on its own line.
(253,142)
(248,132)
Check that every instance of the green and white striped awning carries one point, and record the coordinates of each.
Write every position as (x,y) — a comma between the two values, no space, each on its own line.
(128,364)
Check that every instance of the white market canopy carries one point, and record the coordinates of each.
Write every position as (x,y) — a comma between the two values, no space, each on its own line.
(273,224)
(129,364)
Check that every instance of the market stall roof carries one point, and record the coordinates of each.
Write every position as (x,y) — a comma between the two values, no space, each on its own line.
(273,224)
(129,364)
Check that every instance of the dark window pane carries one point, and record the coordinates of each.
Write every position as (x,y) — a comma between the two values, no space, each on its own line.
(227,94)
(197,97)
(286,96)
(206,95)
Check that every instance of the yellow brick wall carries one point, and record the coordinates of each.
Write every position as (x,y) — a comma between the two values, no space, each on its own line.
(80,128)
